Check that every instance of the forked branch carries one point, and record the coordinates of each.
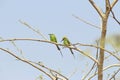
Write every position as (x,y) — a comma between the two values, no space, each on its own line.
(53,77)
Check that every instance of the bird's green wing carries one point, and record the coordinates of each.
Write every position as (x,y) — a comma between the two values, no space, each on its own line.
(66,42)
(53,38)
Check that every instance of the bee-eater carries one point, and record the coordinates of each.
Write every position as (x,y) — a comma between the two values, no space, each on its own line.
(54,39)
(66,42)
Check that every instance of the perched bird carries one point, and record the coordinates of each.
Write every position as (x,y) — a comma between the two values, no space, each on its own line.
(54,39)
(66,42)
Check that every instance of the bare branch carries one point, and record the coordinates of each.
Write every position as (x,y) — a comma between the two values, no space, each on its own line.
(113,3)
(38,40)
(113,15)
(89,71)
(30,27)
(114,65)
(114,74)
(108,7)
(86,22)
(97,8)
(89,56)
(100,48)
(17,48)
(41,65)
(53,72)
(5,50)
(72,73)
(92,65)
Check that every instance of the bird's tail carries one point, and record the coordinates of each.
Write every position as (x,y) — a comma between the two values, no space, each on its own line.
(72,53)
(59,50)
(58,47)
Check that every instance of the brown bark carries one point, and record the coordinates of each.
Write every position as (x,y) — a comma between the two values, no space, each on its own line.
(102,45)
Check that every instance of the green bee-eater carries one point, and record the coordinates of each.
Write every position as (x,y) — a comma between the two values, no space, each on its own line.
(54,39)
(66,42)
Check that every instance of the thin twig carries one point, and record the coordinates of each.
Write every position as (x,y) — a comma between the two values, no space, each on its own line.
(51,70)
(93,64)
(100,48)
(30,27)
(115,74)
(12,54)
(89,56)
(18,49)
(86,22)
(113,4)
(38,40)
(97,8)
(30,39)
(114,65)
(113,15)
(40,69)
(73,72)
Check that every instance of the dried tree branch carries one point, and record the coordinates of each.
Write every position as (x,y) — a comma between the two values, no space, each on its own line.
(23,60)
(99,48)
(113,3)
(97,8)
(82,52)
(38,40)
(40,69)
(114,65)
(18,49)
(102,39)
(30,27)
(53,72)
(108,7)
(103,34)
(72,73)
(92,65)
(102,45)
(86,22)
(113,15)
(115,74)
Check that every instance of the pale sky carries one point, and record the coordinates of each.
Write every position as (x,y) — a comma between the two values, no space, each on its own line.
(48,16)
